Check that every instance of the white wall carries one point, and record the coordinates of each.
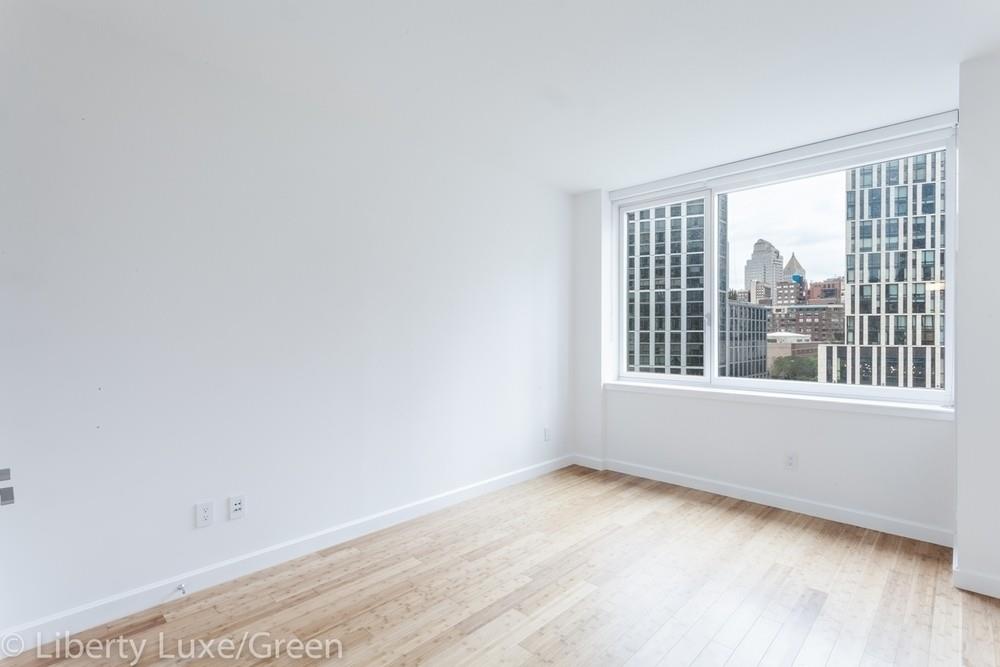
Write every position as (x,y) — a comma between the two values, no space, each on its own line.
(888,472)
(977,554)
(213,286)
(589,285)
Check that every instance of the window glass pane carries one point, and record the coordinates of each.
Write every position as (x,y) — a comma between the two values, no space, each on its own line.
(927,200)
(900,207)
(865,236)
(891,235)
(874,203)
(892,172)
(847,271)
(664,282)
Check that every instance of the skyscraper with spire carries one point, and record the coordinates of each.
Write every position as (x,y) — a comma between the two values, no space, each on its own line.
(794,272)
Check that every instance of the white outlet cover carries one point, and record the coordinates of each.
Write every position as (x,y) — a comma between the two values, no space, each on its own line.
(204,513)
(237,507)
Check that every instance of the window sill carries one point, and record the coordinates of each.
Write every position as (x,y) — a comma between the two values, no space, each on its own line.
(839,404)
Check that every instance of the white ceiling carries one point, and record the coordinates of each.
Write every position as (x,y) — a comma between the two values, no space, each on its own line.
(586,94)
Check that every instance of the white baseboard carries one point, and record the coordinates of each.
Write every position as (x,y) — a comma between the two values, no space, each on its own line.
(976,582)
(99,612)
(587,461)
(880,522)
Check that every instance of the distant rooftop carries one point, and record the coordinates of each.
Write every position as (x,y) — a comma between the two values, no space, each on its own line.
(788,337)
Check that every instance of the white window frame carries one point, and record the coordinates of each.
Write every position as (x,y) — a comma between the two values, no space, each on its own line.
(938,132)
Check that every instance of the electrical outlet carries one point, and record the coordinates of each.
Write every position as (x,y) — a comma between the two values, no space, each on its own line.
(237,507)
(204,513)
(546,434)
(791,461)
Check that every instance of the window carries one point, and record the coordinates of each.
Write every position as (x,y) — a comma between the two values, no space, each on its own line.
(874,266)
(892,235)
(824,272)
(927,199)
(892,173)
(919,297)
(927,329)
(900,276)
(919,232)
(875,203)
(647,298)
(892,366)
(892,298)
(865,303)
(927,265)
(900,200)
(919,168)
(873,329)
(866,237)
(899,338)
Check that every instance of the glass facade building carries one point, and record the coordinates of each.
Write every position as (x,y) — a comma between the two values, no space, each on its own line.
(895,276)
(745,340)
(665,296)
(665,289)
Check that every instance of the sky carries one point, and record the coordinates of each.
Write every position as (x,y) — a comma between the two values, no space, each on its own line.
(804,216)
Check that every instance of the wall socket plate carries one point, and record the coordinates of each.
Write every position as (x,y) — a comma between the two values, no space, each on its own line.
(204,513)
(237,507)
(791,461)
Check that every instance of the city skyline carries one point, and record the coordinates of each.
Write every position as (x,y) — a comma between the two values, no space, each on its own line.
(819,247)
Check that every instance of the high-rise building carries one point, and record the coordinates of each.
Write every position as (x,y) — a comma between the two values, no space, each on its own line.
(764,266)
(746,339)
(793,271)
(665,297)
(895,301)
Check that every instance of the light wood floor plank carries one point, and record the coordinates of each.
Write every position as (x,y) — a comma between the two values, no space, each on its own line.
(595,568)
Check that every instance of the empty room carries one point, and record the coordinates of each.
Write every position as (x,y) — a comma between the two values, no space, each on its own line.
(492,332)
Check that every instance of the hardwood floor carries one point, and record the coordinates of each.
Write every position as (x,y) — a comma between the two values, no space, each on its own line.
(597,568)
